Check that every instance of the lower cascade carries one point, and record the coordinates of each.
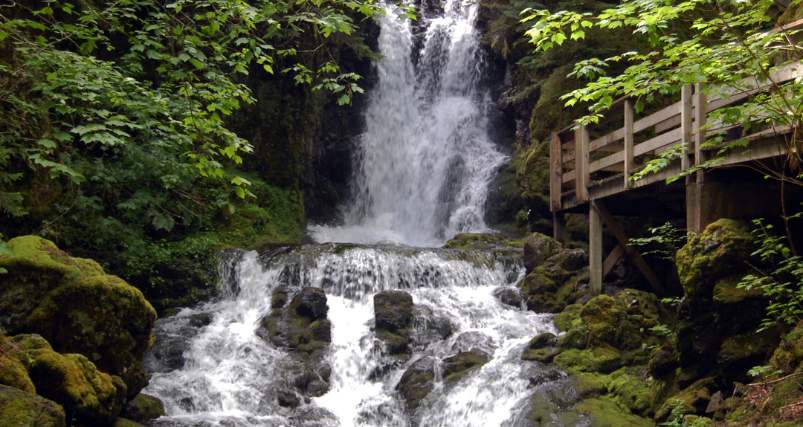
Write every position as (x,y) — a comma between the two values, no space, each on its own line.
(347,335)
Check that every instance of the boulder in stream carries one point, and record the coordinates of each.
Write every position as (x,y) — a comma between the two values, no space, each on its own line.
(393,316)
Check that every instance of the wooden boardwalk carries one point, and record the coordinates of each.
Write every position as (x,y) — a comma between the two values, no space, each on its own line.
(584,173)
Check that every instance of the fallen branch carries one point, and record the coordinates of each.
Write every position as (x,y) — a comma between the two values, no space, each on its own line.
(765,383)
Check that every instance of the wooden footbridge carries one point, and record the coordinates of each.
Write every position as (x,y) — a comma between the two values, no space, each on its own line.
(589,176)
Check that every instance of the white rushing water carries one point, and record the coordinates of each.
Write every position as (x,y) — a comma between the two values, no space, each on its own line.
(232,377)
(425,159)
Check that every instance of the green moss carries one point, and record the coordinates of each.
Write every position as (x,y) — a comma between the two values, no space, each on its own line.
(568,317)
(602,358)
(14,364)
(18,408)
(590,384)
(713,254)
(605,413)
(630,390)
(84,310)
(74,381)
(481,241)
(122,422)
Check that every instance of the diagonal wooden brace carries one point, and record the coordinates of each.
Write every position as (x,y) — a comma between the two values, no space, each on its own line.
(619,251)
(620,235)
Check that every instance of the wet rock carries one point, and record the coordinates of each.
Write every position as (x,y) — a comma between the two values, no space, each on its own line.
(663,361)
(76,307)
(393,315)
(417,381)
(172,337)
(310,303)
(279,298)
(692,400)
(457,366)
(393,310)
(509,296)
(302,325)
(143,408)
(541,348)
(480,241)
(576,259)
(428,327)
(19,408)
(124,422)
(288,399)
(200,320)
(537,248)
(715,408)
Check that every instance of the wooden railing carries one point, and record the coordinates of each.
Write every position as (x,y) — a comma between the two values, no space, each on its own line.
(613,157)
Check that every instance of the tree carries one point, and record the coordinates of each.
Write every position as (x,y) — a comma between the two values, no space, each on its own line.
(715,42)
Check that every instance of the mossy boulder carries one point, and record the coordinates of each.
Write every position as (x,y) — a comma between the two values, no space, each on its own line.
(124,422)
(14,365)
(600,358)
(143,408)
(741,352)
(630,390)
(692,400)
(301,325)
(570,316)
(537,248)
(621,323)
(76,307)
(718,252)
(541,348)
(417,382)
(73,381)
(605,412)
(457,366)
(393,317)
(22,409)
(789,354)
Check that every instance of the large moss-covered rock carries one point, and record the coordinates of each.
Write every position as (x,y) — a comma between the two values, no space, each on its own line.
(417,381)
(716,253)
(302,324)
(76,307)
(457,366)
(537,248)
(606,324)
(694,399)
(14,364)
(74,382)
(481,241)
(21,409)
(393,316)
(143,408)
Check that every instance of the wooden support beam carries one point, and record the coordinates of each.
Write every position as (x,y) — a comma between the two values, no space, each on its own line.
(559,226)
(620,235)
(581,163)
(555,171)
(685,124)
(629,113)
(700,117)
(619,251)
(594,250)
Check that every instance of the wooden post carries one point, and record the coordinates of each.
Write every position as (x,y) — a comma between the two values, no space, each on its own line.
(685,124)
(558,227)
(701,115)
(594,251)
(581,169)
(628,142)
(620,235)
(619,250)
(556,172)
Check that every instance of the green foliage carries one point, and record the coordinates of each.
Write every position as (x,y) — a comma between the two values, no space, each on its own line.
(760,371)
(781,280)
(718,43)
(666,240)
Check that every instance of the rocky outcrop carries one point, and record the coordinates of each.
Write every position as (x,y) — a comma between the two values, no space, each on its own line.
(76,307)
(393,316)
(143,408)
(20,408)
(70,380)
(537,249)
(300,325)
(541,348)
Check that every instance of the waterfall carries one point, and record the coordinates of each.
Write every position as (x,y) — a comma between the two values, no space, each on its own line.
(425,159)
(423,166)
(229,376)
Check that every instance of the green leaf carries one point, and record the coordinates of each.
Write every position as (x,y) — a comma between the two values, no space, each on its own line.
(163,222)
(152,54)
(240,192)
(47,143)
(5,250)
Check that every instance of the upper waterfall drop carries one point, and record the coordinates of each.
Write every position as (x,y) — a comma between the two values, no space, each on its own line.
(425,159)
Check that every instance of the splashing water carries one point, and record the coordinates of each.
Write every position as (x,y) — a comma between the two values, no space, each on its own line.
(231,377)
(425,159)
